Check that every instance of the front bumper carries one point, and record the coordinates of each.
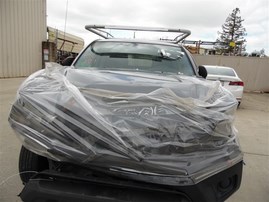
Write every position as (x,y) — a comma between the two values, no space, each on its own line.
(65,187)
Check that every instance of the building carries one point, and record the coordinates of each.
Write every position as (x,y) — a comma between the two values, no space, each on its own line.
(23,30)
(65,44)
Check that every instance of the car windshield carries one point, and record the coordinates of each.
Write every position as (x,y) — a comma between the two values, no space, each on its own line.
(220,71)
(133,56)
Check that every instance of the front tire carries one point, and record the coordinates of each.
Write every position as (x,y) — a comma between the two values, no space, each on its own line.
(30,163)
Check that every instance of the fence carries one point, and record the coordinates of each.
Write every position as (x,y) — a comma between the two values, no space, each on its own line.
(253,71)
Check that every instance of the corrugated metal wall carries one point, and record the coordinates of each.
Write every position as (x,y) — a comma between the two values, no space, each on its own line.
(22,30)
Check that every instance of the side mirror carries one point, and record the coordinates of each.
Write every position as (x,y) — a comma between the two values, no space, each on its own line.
(202,71)
(68,61)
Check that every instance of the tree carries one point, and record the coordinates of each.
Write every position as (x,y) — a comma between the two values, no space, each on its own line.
(231,40)
(256,53)
(262,52)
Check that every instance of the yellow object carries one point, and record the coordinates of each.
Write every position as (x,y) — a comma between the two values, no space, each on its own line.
(232,44)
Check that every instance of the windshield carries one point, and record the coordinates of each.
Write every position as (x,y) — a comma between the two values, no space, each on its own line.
(133,56)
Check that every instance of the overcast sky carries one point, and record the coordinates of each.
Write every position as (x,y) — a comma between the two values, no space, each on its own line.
(203,17)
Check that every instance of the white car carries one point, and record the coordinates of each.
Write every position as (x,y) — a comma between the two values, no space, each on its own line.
(228,78)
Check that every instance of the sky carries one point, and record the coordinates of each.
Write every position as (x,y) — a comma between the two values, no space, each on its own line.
(203,18)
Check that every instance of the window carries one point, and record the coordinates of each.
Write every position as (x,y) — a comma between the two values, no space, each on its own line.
(133,56)
(220,71)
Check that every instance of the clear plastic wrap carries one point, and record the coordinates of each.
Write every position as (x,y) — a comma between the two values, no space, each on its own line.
(132,123)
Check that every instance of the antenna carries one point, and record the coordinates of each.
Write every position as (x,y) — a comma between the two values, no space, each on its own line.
(66,11)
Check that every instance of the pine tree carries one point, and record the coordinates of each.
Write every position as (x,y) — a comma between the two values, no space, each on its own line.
(231,39)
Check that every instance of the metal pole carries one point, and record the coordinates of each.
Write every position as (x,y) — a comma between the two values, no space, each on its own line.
(66,11)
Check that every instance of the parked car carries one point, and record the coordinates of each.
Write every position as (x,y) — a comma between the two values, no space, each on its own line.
(228,78)
(131,120)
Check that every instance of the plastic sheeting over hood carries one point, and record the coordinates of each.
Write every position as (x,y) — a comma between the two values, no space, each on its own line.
(130,123)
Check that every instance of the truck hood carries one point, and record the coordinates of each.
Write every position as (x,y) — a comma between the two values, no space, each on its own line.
(129,82)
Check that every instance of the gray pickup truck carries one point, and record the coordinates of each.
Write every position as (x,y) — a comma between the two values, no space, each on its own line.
(130,120)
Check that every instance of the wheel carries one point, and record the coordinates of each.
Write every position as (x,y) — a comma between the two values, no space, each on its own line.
(29,161)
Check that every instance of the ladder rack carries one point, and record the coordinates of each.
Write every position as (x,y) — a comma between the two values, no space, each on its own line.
(100,30)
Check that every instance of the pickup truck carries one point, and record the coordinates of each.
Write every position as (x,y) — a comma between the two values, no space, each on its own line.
(129,120)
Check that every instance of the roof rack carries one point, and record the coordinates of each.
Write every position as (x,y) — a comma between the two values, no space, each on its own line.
(100,31)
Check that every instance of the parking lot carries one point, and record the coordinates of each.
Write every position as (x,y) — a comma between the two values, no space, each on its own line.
(252,122)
